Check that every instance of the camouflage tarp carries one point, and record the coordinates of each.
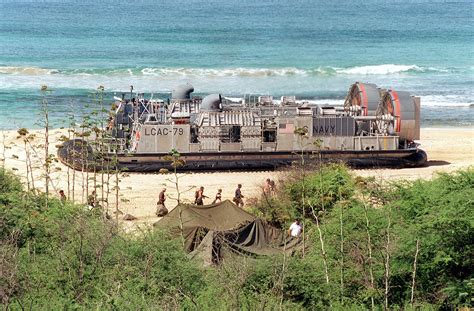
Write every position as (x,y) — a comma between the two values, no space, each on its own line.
(210,231)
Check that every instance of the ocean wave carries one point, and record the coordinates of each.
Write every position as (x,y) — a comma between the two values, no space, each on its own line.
(380,69)
(450,101)
(31,71)
(224,72)
(384,69)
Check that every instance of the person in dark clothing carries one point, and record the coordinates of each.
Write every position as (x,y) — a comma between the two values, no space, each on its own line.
(62,196)
(92,200)
(162,197)
(161,209)
(199,196)
(238,196)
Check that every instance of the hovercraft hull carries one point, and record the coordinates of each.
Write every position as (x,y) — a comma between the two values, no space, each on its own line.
(80,157)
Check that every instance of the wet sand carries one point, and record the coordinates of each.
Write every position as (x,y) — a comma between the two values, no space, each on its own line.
(448,149)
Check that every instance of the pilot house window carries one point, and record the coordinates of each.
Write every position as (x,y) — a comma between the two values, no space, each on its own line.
(235,134)
(230,134)
(194,135)
(269,136)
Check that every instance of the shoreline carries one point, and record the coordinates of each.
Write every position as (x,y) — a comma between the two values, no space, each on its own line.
(448,127)
(448,149)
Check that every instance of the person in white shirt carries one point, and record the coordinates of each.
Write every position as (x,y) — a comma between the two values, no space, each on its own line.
(295,229)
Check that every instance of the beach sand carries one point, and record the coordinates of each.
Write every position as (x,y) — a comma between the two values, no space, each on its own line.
(448,149)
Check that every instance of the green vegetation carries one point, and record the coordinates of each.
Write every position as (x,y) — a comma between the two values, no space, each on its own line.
(65,257)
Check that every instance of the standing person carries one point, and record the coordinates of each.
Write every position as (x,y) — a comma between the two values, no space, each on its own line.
(295,229)
(161,209)
(62,196)
(199,196)
(162,197)
(238,196)
(272,187)
(267,187)
(218,197)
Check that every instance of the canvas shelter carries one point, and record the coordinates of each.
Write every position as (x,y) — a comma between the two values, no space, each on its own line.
(212,231)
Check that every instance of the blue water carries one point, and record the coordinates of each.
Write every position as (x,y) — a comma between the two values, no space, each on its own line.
(312,49)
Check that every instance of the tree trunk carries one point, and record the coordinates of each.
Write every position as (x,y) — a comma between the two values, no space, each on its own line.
(82,166)
(283,271)
(46,149)
(413,278)
(27,167)
(31,171)
(369,247)
(387,261)
(341,232)
(323,250)
(303,197)
(116,195)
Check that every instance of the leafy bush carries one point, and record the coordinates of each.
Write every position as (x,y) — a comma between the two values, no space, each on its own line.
(321,189)
(65,257)
(440,214)
(68,257)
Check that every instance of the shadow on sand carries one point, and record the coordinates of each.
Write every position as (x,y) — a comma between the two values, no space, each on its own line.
(437,163)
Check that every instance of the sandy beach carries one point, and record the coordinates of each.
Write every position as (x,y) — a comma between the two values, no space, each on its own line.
(448,149)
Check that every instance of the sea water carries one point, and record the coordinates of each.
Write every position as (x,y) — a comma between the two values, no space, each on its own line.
(311,49)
